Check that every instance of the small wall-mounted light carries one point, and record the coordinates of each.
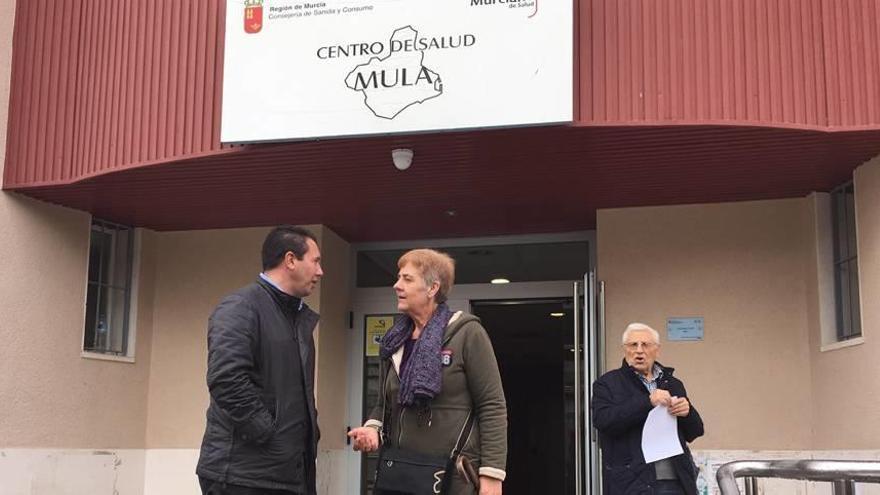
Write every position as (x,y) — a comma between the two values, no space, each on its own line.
(498,281)
(557,315)
(402,158)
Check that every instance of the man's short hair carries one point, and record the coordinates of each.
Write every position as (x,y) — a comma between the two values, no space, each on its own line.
(282,239)
(640,327)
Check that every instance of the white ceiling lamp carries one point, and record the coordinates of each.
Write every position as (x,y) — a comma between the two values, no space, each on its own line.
(402,158)
(499,281)
(557,315)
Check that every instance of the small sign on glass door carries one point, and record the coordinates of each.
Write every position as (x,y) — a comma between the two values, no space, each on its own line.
(376,327)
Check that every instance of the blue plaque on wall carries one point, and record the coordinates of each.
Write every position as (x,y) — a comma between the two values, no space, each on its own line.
(684,329)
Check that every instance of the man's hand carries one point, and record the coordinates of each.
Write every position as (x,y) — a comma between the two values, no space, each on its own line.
(661,398)
(490,486)
(365,439)
(679,407)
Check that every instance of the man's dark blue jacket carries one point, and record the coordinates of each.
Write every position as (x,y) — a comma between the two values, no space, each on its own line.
(262,425)
(620,407)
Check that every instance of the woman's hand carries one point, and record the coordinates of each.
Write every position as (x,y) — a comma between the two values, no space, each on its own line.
(365,439)
(490,486)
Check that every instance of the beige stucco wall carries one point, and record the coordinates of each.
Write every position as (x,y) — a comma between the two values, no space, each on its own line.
(194,270)
(846,391)
(52,397)
(332,340)
(741,267)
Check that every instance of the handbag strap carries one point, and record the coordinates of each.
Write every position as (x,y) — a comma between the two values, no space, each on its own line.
(462,438)
(385,368)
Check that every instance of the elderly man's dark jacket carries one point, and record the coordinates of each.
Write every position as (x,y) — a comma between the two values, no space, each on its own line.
(620,407)
(261,424)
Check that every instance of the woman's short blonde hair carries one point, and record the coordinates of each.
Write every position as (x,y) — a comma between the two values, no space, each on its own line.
(434,267)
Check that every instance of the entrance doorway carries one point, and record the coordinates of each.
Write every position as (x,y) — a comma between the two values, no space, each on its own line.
(549,356)
(534,343)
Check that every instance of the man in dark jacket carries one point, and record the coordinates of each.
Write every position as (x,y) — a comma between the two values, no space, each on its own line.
(262,432)
(622,399)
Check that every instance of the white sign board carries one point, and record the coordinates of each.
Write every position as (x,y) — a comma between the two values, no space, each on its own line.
(297,70)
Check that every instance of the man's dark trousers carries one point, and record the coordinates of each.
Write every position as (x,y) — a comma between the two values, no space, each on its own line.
(211,487)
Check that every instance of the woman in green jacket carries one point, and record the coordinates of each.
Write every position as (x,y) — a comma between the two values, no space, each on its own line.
(439,369)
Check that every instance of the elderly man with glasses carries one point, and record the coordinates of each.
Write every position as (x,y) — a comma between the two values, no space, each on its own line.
(622,399)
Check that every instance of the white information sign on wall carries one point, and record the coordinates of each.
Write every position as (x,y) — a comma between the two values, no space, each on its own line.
(684,329)
(298,70)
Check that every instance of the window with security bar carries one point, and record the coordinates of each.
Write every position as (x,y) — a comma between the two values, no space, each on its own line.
(846,269)
(111,250)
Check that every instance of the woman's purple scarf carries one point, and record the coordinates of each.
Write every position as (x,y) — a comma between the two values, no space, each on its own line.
(421,379)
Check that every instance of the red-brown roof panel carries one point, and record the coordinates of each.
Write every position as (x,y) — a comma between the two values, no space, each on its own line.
(495,182)
(115,109)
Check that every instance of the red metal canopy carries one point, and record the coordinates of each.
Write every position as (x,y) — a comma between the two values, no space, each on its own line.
(492,182)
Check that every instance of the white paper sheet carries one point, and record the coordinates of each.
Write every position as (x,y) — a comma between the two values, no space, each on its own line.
(660,435)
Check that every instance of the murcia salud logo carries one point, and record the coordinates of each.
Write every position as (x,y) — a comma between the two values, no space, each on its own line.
(253,16)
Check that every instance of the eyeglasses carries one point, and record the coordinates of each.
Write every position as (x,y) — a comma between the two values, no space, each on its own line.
(635,345)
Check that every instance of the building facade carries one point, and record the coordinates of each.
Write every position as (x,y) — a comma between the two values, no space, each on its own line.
(707,167)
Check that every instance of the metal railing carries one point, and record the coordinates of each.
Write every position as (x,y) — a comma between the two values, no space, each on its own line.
(842,474)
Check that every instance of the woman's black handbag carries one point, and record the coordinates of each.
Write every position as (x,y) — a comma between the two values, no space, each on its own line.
(405,471)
